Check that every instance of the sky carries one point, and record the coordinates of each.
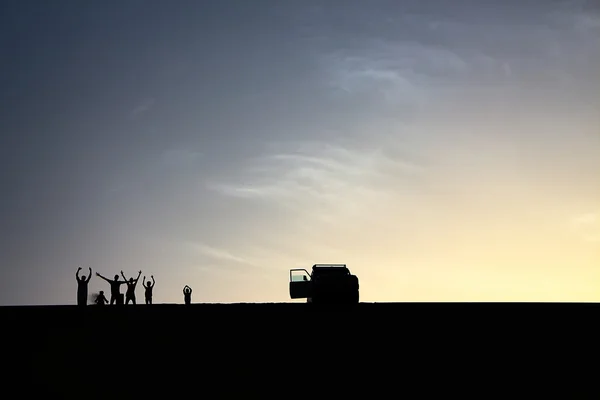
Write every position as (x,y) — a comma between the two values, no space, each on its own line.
(444,151)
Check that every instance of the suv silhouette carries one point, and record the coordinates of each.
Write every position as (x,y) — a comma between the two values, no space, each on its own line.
(328,283)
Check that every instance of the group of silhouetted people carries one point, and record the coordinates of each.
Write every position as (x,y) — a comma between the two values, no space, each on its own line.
(116,297)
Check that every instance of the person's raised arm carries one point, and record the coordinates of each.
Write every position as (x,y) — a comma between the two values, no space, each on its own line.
(90,275)
(138,277)
(123,275)
(106,279)
(144,282)
(153,282)
(77,273)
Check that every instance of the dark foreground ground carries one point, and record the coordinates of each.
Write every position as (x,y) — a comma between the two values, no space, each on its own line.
(372,350)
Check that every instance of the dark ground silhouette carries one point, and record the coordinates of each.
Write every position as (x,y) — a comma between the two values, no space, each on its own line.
(293,351)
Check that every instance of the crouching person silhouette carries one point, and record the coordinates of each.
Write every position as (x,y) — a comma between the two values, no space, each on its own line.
(82,287)
(187,294)
(148,286)
(101,299)
(115,288)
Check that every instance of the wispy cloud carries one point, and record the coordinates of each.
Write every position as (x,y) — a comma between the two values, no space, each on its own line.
(408,70)
(180,157)
(145,105)
(242,256)
(218,254)
(586,219)
(402,68)
(587,226)
(324,178)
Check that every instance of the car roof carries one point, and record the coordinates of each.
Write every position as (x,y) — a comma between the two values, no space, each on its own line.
(330,268)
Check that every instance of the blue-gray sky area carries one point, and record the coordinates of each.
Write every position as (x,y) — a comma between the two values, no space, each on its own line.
(443,150)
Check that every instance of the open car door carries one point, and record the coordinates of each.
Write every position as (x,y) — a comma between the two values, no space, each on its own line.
(300,284)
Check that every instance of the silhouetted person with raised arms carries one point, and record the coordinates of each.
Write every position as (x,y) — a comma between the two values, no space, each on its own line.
(115,288)
(131,284)
(187,294)
(82,287)
(101,299)
(148,286)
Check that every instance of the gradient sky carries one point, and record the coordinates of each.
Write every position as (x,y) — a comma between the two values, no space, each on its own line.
(445,151)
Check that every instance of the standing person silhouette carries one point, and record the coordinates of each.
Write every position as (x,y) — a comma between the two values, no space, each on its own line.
(148,286)
(187,294)
(115,288)
(82,287)
(131,284)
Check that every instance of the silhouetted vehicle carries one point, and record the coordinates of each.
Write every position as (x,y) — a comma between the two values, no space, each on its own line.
(328,283)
